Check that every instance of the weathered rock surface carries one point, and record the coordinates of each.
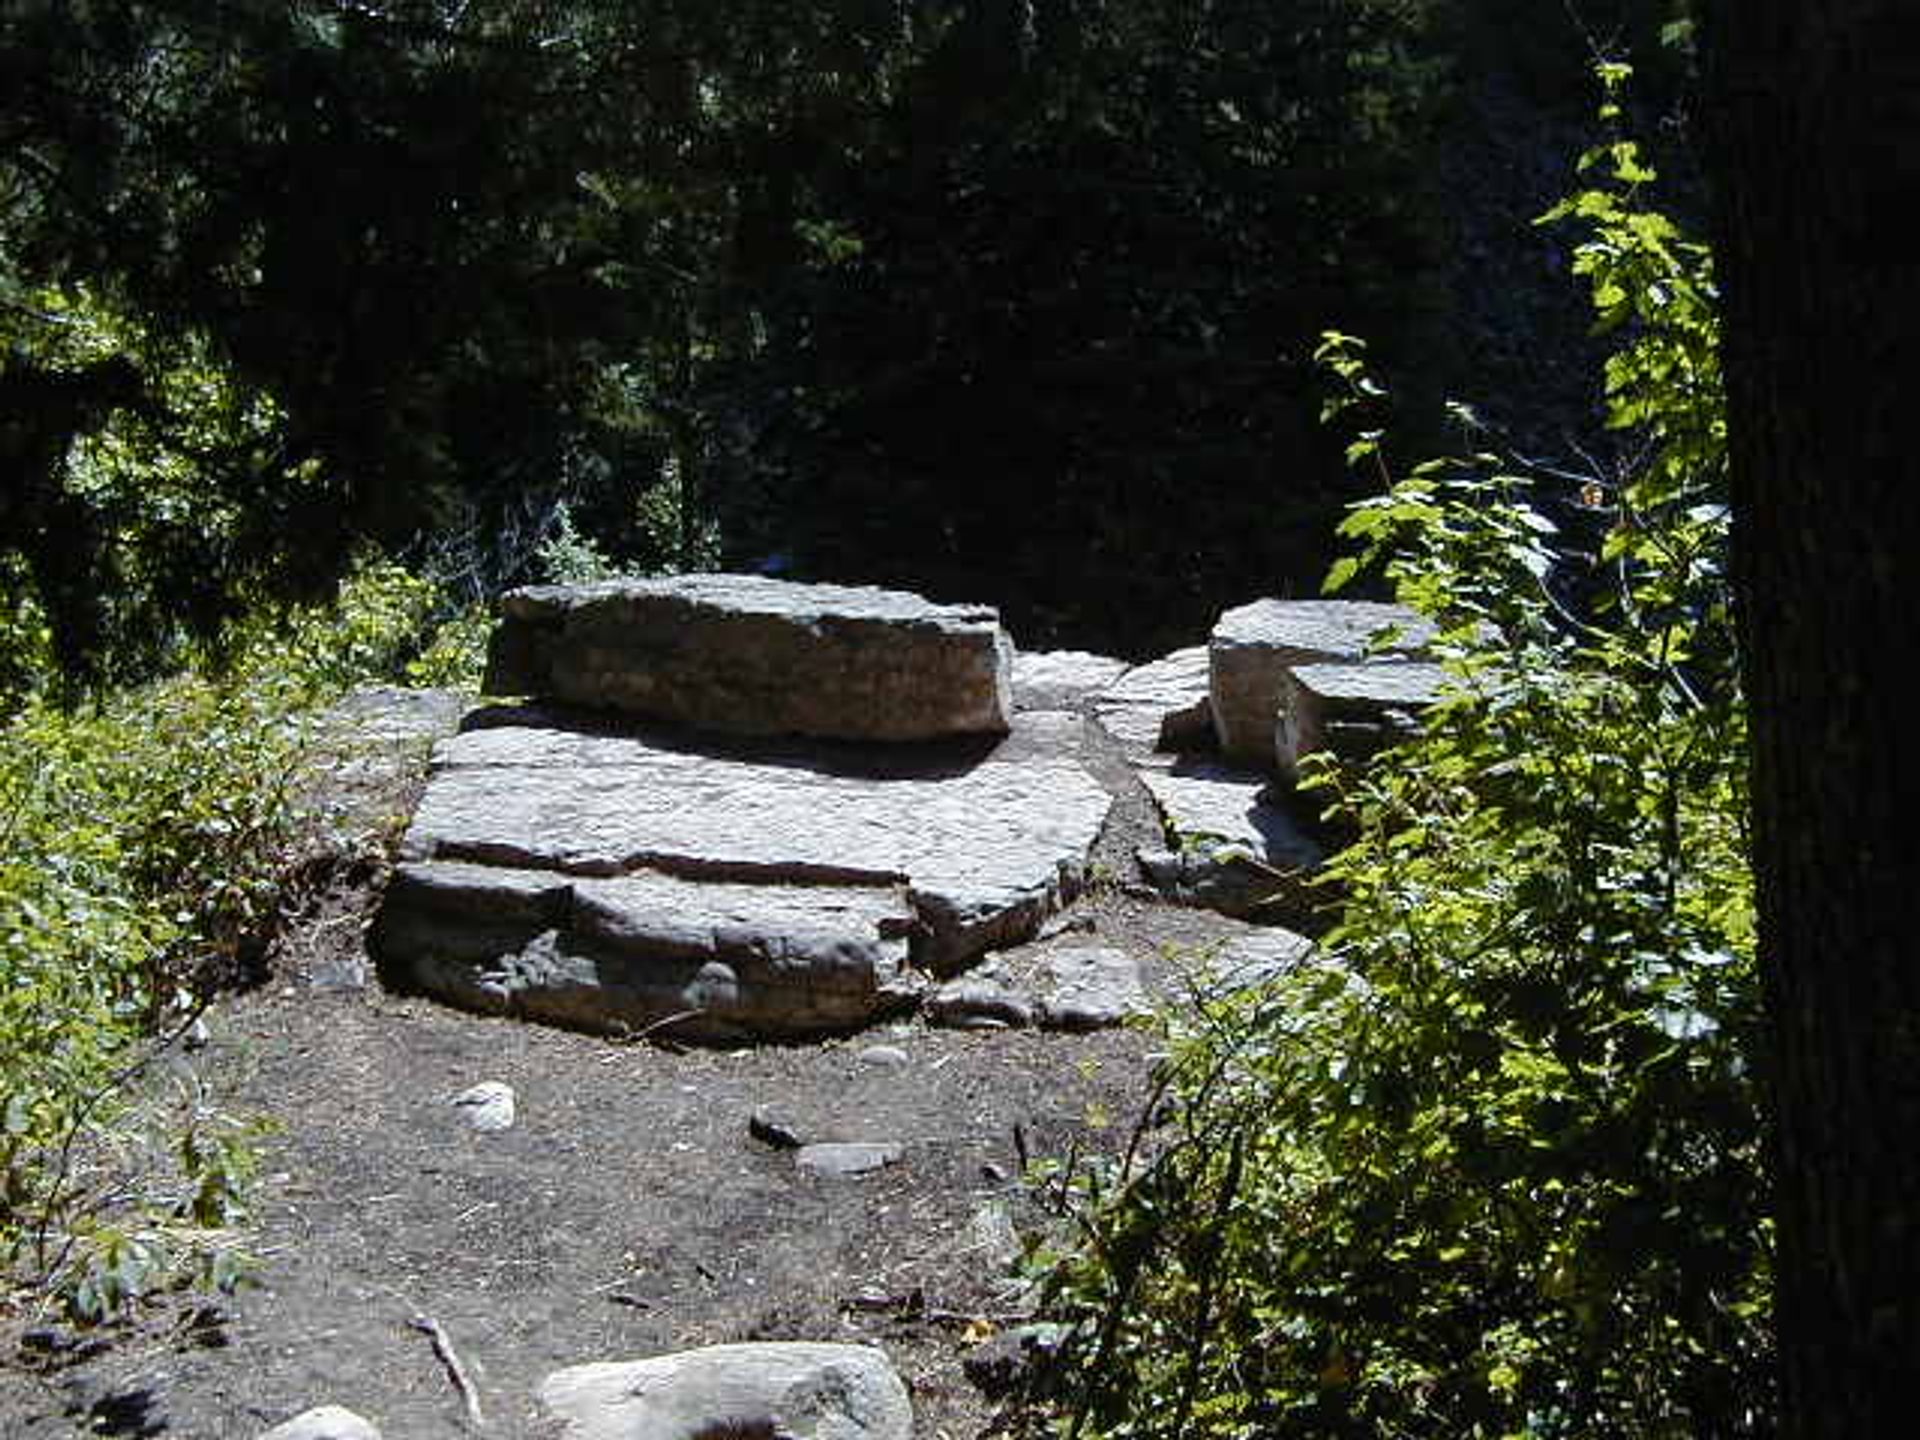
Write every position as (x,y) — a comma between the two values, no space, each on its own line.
(1070,987)
(1061,679)
(624,953)
(744,654)
(1160,706)
(323,1422)
(804,1390)
(486,1107)
(1351,712)
(1253,647)
(611,880)
(844,1159)
(1091,987)
(985,998)
(1249,961)
(1233,849)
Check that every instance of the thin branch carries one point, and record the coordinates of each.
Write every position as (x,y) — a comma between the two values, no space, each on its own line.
(456,1372)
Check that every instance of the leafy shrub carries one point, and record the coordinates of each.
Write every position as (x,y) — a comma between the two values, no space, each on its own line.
(1490,1164)
(145,844)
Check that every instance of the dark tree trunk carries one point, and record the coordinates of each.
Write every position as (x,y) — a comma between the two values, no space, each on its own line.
(1814,125)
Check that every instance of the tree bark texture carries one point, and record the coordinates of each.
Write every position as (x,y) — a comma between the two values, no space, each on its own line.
(1814,128)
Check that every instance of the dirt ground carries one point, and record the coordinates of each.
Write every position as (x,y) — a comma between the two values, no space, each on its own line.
(628,1211)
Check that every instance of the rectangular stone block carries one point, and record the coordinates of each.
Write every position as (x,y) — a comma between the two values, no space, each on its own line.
(1351,711)
(748,655)
(1254,646)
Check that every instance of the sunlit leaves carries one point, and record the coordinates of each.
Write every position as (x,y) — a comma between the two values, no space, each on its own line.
(1506,1127)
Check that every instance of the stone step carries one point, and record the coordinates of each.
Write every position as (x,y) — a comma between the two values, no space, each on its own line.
(543,855)
(744,654)
(1159,707)
(1231,847)
(1254,646)
(621,954)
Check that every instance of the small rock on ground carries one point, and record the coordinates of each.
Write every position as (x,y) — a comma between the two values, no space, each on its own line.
(1259,958)
(324,1422)
(981,1000)
(841,1159)
(809,1391)
(1091,988)
(487,1106)
(771,1129)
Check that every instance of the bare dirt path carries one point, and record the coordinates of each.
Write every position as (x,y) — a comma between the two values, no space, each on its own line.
(627,1212)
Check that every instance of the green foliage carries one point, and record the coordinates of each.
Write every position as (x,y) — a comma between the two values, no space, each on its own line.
(145,845)
(566,557)
(144,848)
(1490,1164)
(880,289)
(130,457)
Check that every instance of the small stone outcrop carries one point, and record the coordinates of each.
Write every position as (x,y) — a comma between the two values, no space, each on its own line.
(1254,646)
(1256,959)
(802,1390)
(1091,987)
(622,954)
(619,880)
(1351,712)
(1072,987)
(748,655)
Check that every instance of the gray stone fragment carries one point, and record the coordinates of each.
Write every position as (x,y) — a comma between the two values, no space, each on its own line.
(1158,706)
(804,1390)
(882,1056)
(1091,988)
(1253,647)
(1351,712)
(992,1237)
(1249,961)
(1224,880)
(746,654)
(1233,849)
(1061,679)
(843,1159)
(487,1106)
(323,1422)
(982,999)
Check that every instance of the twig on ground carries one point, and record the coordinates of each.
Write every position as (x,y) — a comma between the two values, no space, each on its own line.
(450,1361)
(634,1037)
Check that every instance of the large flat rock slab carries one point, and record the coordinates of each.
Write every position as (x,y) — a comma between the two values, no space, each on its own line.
(607,880)
(1061,679)
(1254,646)
(622,954)
(749,655)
